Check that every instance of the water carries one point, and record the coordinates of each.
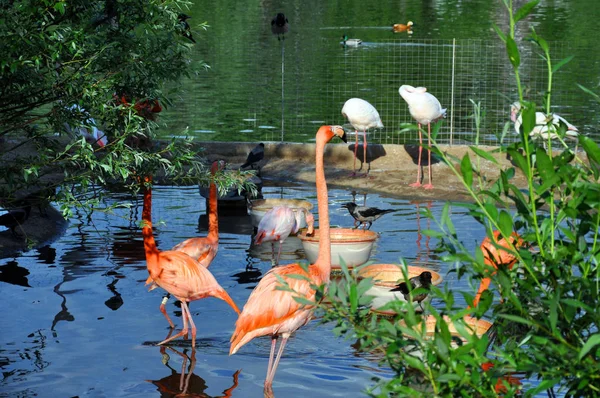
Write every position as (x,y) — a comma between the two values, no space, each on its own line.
(78,320)
(239,97)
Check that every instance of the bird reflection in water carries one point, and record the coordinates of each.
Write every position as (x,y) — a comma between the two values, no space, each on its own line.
(186,383)
(423,255)
(251,275)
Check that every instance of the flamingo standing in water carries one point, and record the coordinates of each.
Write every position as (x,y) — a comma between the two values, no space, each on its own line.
(362,116)
(177,273)
(497,253)
(274,312)
(201,249)
(425,109)
(278,223)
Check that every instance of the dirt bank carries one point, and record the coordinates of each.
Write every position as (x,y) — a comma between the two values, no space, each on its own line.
(393,167)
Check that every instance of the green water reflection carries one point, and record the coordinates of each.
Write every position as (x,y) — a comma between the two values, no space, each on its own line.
(239,97)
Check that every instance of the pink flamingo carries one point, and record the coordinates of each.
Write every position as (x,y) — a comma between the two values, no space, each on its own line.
(274,312)
(177,273)
(362,116)
(201,249)
(278,223)
(425,109)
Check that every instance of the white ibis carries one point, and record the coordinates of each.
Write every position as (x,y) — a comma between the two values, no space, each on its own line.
(425,109)
(362,116)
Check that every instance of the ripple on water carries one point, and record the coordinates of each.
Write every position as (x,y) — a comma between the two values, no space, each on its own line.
(92,295)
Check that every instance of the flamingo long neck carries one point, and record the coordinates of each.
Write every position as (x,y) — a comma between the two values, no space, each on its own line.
(149,242)
(213,219)
(323,262)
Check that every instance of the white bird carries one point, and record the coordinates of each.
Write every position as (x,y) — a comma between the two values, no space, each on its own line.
(545,127)
(278,223)
(88,129)
(425,109)
(362,116)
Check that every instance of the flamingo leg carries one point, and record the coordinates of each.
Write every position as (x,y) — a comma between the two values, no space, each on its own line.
(193,327)
(365,154)
(164,311)
(430,185)
(184,331)
(271,374)
(279,252)
(418,183)
(355,149)
(190,371)
(273,263)
(271,355)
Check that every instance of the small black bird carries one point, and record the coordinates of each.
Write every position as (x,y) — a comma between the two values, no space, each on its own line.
(422,280)
(255,156)
(280,26)
(14,218)
(186,31)
(364,214)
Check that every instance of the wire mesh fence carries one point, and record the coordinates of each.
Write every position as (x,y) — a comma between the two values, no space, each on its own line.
(275,93)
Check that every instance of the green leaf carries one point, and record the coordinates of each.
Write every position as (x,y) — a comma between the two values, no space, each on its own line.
(466,169)
(591,148)
(500,34)
(519,160)
(505,222)
(593,341)
(544,164)
(562,63)
(528,117)
(483,154)
(304,301)
(447,377)
(513,52)
(525,10)
(517,319)
(60,7)
(590,92)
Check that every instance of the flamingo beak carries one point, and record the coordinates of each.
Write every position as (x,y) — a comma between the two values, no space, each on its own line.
(343,135)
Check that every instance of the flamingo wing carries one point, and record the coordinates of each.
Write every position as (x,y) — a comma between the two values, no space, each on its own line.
(185,278)
(277,224)
(361,114)
(270,311)
(202,249)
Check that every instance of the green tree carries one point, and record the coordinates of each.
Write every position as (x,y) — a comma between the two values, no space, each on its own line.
(68,65)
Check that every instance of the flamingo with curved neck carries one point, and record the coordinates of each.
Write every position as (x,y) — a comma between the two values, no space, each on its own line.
(205,248)
(177,273)
(272,312)
(202,249)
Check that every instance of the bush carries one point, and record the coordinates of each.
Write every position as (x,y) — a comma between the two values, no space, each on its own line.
(546,322)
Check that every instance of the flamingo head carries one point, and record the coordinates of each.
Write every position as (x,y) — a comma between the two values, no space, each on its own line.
(310,223)
(515,109)
(338,131)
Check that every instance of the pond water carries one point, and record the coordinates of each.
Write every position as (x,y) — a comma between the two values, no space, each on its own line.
(453,51)
(78,320)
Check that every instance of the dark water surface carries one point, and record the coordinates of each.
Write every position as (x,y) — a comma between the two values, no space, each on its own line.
(78,320)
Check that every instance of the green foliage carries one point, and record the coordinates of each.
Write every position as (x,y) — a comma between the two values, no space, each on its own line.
(67,66)
(546,324)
